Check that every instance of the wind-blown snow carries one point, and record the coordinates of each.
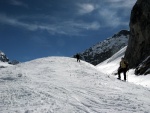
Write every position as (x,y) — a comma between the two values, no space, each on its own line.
(61,85)
(110,67)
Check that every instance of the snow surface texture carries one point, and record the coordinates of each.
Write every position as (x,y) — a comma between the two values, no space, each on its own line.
(61,85)
(4,64)
(110,67)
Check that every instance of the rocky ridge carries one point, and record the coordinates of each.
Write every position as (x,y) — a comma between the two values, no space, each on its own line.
(105,49)
(4,58)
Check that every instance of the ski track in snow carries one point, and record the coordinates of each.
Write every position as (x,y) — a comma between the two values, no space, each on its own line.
(61,85)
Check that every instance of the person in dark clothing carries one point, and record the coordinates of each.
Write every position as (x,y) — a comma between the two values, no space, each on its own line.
(78,57)
(123,68)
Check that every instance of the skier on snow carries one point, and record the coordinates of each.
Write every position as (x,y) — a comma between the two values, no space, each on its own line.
(123,68)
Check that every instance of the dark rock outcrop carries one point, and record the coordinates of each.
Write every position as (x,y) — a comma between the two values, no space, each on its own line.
(139,41)
(143,67)
(14,62)
(3,57)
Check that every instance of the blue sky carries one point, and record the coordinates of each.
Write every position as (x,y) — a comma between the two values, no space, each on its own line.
(31,29)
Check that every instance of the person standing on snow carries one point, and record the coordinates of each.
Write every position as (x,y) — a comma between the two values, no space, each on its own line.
(123,68)
(78,57)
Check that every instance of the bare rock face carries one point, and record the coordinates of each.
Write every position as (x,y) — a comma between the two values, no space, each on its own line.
(3,57)
(144,67)
(139,41)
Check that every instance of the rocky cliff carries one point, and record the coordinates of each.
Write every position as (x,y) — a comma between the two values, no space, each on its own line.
(3,57)
(138,50)
(105,49)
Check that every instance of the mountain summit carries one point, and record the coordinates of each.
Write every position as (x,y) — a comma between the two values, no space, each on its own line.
(3,57)
(6,60)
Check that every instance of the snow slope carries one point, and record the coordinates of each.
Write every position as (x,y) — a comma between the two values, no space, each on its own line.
(110,67)
(61,85)
(4,64)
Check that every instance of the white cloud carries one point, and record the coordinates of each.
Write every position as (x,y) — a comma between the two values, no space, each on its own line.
(93,26)
(14,22)
(83,25)
(63,27)
(101,14)
(113,0)
(115,13)
(129,3)
(110,18)
(18,3)
(85,8)
(121,3)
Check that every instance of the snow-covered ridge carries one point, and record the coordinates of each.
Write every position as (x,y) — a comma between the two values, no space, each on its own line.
(1,53)
(3,60)
(61,85)
(3,57)
(6,61)
(107,44)
(105,49)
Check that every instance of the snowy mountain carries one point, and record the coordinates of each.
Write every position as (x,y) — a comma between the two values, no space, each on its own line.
(4,60)
(61,85)
(3,57)
(110,67)
(105,49)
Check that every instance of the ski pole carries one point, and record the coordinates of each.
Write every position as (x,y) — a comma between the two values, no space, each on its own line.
(127,75)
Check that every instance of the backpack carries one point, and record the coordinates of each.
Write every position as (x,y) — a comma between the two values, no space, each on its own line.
(123,64)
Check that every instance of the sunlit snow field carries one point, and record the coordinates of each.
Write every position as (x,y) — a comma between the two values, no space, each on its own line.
(111,65)
(61,85)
